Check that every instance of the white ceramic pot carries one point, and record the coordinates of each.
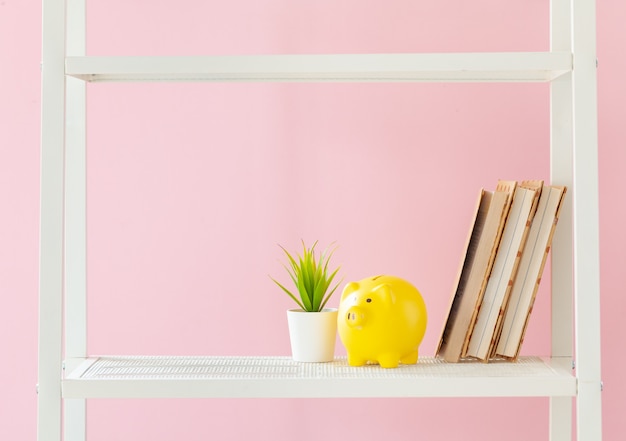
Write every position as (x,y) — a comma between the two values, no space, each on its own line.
(312,334)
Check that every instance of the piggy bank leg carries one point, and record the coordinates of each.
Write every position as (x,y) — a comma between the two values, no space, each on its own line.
(410,358)
(388,360)
(353,360)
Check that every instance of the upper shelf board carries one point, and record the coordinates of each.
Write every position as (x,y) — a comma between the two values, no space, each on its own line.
(440,67)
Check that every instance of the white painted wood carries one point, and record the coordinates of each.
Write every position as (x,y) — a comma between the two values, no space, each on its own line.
(517,66)
(561,173)
(75,419)
(51,222)
(586,221)
(589,410)
(74,412)
(562,245)
(75,194)
(561,418)
(281,377)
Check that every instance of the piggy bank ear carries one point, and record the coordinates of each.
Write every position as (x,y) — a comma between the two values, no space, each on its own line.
(386,293)
(349,289)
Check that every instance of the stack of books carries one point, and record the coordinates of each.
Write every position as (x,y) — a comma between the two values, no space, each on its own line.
(500,272)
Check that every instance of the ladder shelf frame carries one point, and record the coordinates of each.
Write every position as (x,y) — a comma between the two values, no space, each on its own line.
(569,66)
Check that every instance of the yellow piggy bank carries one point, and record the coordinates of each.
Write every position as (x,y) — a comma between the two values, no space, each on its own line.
(382,320)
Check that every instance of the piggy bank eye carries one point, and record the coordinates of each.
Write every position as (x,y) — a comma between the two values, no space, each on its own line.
(369,300)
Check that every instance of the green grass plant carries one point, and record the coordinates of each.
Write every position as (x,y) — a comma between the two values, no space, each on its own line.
(311,277)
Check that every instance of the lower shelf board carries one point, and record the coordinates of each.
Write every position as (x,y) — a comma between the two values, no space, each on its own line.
(281,377)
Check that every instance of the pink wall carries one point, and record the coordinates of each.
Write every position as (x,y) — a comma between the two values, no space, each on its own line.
(389,171)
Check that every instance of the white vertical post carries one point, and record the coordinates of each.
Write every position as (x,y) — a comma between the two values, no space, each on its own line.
(586,222)
(75,219)
(562,251)
(561,173)
(51,222)
(75,191)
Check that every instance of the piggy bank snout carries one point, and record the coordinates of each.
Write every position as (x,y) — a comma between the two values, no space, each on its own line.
(355,316)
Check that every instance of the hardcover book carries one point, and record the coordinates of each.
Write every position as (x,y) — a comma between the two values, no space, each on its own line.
(477,262)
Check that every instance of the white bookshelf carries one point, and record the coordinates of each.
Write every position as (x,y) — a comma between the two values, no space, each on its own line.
(68,375)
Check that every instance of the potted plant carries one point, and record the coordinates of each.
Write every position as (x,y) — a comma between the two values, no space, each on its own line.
(312,327)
